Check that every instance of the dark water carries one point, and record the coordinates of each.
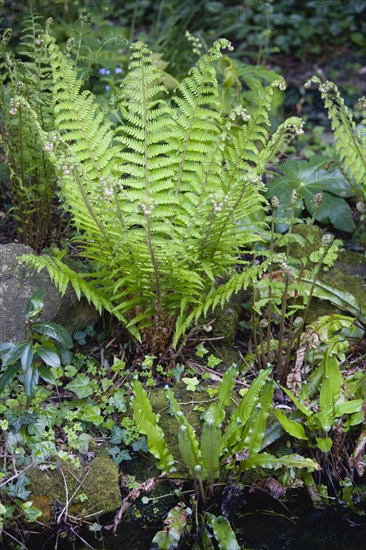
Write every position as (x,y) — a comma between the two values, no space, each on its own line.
(260,524)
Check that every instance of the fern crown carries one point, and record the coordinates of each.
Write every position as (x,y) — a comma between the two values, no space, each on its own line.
(166,200)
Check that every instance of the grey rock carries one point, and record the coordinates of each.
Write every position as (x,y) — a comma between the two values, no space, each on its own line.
(17,284)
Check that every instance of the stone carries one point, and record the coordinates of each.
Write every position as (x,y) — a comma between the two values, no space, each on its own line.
(98,480)
(17,284)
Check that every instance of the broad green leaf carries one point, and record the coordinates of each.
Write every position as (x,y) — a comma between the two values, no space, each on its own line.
(35,304)
(143,401)
(155,439)
(7,377)
(27,357)
(329,392)
(188,451)
(297,402)
(55,331)
(244,410)
(223,532)
(81,386)
(190,444)
(5,347)
(14,354)
(324,443)
(147,424)
(338,297)
(293,428)
(348,407)
(308,178)
(30,377)
(46,375)
(49,356)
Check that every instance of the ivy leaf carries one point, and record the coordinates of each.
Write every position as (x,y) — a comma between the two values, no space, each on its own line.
(119,455)
(81,386)
(18,490)
(191,383)
(31,513)
(213,361)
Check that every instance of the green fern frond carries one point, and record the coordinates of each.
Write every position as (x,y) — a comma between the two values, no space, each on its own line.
(159,199)
(349,140)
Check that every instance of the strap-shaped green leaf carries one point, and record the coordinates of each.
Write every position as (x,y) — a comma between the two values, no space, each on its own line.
(223,532)
(329,392)
(210,450)
(146,421)
(293,428)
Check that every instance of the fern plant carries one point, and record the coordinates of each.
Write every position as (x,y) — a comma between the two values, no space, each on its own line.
(157,197)
(32,175)
(233,445)
(350,141)
(282,298)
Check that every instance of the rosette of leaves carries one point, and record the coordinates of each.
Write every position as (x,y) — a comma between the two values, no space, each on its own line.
(157,196)
(307,178)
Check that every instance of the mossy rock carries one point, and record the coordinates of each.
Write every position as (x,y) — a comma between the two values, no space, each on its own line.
(98,480)
(347,274)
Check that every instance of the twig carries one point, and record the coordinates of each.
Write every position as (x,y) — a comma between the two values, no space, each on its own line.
(16,475)
(65,508)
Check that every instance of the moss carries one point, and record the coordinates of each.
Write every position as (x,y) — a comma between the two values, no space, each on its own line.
(101,485)
(226,322)
(348,272)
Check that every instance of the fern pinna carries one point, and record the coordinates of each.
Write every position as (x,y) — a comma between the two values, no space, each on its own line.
(159,198)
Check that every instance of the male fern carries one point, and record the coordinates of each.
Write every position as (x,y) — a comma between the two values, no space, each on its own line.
(350,141)
(159,198)
(32,176)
